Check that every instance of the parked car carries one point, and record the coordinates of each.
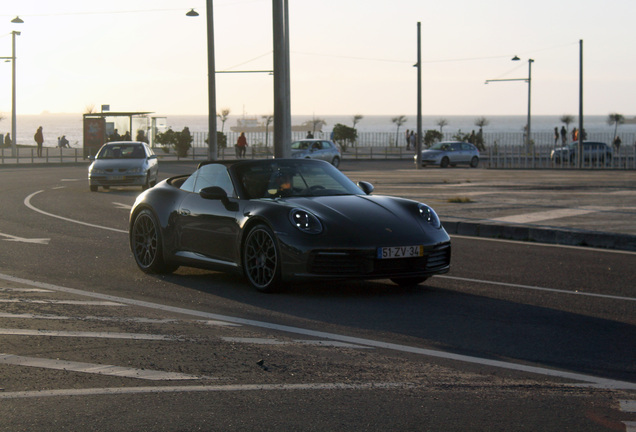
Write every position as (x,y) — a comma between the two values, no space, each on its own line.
(451,153)
(123,163)
(593,151)
(317,149)
(277,221)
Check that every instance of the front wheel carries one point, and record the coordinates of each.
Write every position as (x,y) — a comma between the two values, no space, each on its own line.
(146,243)
(444,163)
(261,259)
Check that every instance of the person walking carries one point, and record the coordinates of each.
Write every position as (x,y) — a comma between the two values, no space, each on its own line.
(564,135)
(39,139)
(7,140)
(556,136)
(241,145)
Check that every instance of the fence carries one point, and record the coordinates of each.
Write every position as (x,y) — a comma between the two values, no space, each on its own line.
(503,150)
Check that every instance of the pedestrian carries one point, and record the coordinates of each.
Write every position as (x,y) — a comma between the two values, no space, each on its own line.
(310,135)
(617,142)
(575,134)
(64,142)
(556,136)
(7,140)
(412,140)
(564,135)
(241,145)
(408,139)
(39,139)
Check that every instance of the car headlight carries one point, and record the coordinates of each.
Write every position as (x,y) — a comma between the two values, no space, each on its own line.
(305,221)
(136,170)
(429,215)
(96,171)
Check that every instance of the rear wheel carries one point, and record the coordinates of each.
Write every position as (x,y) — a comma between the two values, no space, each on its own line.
(146,243)
(261,259)
(444,163)
(474,162)
(336,162)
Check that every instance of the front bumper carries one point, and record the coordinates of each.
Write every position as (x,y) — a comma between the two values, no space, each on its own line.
(117,180)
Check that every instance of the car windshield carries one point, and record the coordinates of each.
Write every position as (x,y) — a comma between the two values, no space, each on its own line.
(122,151)
(441,146)
(302,178)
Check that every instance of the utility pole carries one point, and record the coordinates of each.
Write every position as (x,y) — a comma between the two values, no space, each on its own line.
(580,152)
(212,140)
(418,146)
(282,99)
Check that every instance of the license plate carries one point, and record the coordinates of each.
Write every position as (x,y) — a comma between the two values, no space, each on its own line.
(116,177)
(400,252)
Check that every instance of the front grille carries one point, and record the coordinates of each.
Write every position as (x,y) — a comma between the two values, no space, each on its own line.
(352,263)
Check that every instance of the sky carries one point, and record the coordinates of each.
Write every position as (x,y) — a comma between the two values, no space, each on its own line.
(347,56)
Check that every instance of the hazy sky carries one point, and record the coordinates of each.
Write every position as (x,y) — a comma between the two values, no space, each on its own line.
(347,56)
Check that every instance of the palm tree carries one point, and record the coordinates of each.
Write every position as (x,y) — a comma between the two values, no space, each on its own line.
(399,121)
(317,123)
(615,119)
(223,115)
(567,119)
(356,119)
(268,120)
(441,123)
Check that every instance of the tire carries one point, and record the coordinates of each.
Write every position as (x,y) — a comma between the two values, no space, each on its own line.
(93,188)
(474,162)
(262,260)
(336,162)
(146,243)
(409,281)
(444,163)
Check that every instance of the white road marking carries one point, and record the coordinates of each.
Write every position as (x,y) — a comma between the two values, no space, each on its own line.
(64,302)
(25,240)
(98,335)
(25,290)
(267,341)
(140,320)
(542,216)
(191,389)
(27,202)
(588,380)
(122,206)
(628,405)
(530,244)
(118,371)
(530,287)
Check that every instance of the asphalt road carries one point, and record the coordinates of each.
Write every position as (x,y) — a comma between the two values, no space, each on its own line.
(518,336)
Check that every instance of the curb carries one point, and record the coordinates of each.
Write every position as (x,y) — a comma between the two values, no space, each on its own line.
(568,237)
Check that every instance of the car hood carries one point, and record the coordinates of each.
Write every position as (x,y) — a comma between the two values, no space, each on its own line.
(121,164)
(373,219)
(431,153)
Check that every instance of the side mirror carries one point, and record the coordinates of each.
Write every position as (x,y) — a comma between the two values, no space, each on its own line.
(366,187)
(91,157)
(213,193)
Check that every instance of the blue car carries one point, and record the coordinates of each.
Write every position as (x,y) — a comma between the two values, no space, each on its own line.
(451,153)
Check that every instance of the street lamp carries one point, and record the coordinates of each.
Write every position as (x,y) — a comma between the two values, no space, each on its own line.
(212,140)
(14,33)
(529,81)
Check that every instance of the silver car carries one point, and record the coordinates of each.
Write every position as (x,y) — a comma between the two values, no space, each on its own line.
(451,153)
(123,163)
(316,149)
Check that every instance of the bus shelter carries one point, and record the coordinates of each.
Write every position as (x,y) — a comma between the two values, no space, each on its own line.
(99,128)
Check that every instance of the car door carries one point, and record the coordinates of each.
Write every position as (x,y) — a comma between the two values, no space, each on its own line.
(209,227)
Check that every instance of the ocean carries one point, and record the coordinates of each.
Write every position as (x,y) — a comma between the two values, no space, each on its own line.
(56,125)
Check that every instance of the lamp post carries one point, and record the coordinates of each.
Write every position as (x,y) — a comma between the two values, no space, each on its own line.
(14,122)
(529,81)
(212,140)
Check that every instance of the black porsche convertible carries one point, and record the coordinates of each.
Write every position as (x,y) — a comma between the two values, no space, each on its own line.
(278,221)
